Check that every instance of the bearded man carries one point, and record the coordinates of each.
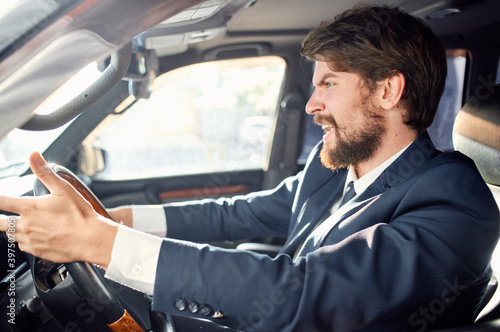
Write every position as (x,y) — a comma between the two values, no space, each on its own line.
(380,226)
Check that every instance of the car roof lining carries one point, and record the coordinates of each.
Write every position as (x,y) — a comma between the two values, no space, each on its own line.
(455,31)
(236,21)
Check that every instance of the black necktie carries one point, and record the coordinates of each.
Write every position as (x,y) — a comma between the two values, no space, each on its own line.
(311,242)
(349,193)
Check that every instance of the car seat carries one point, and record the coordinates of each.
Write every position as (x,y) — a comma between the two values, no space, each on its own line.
(476,133)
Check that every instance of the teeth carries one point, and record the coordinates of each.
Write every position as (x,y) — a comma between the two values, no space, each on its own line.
(326,128)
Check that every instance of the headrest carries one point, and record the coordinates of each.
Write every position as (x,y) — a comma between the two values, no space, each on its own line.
(476,132)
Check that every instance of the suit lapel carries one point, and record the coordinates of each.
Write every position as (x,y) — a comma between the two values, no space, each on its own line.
(417,155)
(311,214)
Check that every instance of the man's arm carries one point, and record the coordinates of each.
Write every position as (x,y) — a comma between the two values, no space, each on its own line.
(416,246)
(145,218)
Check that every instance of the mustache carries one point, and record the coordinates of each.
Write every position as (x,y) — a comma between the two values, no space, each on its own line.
(325,119)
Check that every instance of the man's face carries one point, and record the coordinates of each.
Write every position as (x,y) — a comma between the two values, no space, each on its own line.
(343,106)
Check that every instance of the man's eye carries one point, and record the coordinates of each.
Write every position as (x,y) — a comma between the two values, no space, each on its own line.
(329,84)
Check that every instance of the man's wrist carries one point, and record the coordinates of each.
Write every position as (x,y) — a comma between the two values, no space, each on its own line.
(102,242)
(122,215)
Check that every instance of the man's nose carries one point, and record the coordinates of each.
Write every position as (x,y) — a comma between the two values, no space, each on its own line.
(314,105)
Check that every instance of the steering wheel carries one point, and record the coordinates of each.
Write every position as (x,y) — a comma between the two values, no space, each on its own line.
(92,285)
(86,277)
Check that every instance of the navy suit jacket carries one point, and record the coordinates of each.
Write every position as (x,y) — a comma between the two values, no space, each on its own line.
(410,253)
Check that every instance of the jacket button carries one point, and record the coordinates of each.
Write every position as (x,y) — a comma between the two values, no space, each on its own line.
(205,310)
(218,314)
(180,304)
(193,306)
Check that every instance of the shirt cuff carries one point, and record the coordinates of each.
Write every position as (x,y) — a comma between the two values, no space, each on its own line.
(150,219)
(134,259)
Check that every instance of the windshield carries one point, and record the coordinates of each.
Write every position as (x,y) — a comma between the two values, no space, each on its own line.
(5,5)
(18,144)
(15,25)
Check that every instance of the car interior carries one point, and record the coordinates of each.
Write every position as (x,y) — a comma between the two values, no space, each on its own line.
(154,102)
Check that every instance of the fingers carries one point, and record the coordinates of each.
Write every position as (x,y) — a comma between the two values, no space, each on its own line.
(8,223)
(45,173)
(14,204)
(54,183)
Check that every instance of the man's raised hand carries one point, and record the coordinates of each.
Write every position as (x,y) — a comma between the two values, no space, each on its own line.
(62,226)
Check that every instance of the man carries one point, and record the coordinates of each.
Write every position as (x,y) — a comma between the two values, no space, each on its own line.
(390,235)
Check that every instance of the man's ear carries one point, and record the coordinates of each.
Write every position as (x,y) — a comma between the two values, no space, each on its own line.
(391,90)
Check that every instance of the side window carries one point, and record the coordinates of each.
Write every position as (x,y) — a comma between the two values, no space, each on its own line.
(208,117)
(451,101)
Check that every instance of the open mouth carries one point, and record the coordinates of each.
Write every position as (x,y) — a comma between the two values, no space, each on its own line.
(327,129)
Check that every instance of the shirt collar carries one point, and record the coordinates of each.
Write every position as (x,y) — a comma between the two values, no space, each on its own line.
(366,180)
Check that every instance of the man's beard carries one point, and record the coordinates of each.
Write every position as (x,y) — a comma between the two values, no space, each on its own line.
(355,146)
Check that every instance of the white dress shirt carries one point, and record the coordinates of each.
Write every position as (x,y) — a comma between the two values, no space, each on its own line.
(149,219)
(135,251)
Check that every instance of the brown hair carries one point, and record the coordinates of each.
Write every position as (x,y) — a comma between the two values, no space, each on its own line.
(377,41)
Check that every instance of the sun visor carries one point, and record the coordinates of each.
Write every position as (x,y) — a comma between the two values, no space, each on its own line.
(28,87)
(67,38)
